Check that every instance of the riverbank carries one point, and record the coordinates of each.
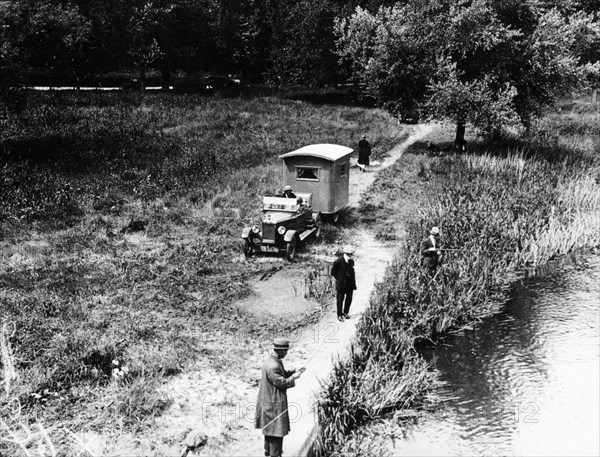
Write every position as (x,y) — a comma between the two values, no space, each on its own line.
(502,210)
(522,382)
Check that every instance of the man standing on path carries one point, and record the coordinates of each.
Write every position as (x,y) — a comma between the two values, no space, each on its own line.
(430,250)
(364,153)
(345,282)
(272,405)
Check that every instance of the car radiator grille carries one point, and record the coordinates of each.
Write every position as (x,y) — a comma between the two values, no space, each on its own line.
(268,233)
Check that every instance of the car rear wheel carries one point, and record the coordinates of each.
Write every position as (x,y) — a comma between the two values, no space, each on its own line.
(290,249)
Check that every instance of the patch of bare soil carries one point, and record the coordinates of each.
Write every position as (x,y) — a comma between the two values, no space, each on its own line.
(280,292)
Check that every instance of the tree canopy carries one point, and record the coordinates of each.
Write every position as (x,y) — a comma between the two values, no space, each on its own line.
(482,62)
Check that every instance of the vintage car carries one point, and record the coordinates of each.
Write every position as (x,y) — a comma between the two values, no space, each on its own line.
(285,223)
(319,176)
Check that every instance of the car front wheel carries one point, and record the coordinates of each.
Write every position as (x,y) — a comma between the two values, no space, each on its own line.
(290,250)
(248,248)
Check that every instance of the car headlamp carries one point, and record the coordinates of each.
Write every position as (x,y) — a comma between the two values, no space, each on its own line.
(281,230)
(255,229)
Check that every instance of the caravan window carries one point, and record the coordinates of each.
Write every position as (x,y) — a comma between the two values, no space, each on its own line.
(342,170)
(307,174)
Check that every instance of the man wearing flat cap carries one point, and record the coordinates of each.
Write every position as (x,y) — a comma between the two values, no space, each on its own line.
(430,250)
(345,282)
(272,405)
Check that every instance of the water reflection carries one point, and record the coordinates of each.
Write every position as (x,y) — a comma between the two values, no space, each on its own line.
(524,382)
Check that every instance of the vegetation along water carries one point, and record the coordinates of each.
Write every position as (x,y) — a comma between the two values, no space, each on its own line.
(525,381)
(504,211)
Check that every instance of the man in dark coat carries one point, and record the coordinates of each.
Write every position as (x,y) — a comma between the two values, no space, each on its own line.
(345,282)
(430,250)
(364,152)
(272,405)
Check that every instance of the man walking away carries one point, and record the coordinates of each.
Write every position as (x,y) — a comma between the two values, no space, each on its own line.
(345,282)
(272,404)
(364,153)
(430,250)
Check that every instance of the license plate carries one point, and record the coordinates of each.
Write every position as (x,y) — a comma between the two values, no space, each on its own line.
(269,249)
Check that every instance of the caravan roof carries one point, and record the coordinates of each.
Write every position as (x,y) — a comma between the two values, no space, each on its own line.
(330,152)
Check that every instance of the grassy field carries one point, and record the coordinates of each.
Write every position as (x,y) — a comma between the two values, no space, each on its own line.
(120,223)
(504,210)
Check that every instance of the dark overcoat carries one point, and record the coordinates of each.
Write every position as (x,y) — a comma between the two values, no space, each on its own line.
(364,152)
(343,272)
(271,407)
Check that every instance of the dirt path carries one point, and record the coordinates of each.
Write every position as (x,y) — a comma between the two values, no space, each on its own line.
(222,407)
(361,181)
(316,347)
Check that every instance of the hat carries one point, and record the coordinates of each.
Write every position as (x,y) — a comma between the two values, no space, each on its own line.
(348,249)
(287,188)
(281,343)
(435,231)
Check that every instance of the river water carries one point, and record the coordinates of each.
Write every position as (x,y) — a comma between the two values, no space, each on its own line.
(525,381)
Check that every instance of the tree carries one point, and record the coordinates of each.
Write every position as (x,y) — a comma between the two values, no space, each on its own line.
(44,36)
(186,38)
(255,35)
(108,47)
(485,63)
(588,39)
(9,51)
(171,35)
(304,43)
(144,27)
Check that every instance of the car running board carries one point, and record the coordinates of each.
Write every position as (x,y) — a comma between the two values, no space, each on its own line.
(306,233)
